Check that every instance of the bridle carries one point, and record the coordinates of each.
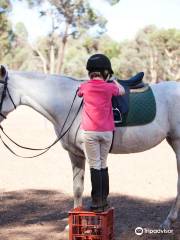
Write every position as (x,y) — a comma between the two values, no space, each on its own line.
(4,93)
(45,149)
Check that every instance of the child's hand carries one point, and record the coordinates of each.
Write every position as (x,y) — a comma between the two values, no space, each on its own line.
(121,88)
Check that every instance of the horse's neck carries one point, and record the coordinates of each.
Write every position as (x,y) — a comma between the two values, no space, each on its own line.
(48,95)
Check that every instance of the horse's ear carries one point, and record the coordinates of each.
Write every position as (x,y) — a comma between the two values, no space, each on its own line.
(3,71)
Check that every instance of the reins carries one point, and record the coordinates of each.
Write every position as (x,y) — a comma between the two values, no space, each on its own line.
(61,135)
(5,82)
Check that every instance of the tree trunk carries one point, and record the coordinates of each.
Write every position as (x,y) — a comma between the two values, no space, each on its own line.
(177,78)
(52,60)
(61,50)
(52,46)
(43,59)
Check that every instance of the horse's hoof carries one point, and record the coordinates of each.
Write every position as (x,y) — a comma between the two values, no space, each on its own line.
(166,225)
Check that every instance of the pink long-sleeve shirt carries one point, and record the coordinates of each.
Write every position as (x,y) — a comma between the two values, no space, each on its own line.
(97,114)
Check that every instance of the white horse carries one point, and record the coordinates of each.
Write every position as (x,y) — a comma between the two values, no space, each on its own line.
(52,95)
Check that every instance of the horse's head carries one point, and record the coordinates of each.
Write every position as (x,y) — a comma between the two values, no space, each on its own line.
(7,97)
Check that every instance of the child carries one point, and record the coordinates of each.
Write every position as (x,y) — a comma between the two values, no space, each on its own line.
(98,125)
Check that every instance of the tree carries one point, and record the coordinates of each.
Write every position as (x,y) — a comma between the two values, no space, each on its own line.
(22,54)
(46,49)
(146,50)
(161,50)
(6,32)
(79,50)
(13,42)
(78,16)
(154,51)
(167,44)
(70,18)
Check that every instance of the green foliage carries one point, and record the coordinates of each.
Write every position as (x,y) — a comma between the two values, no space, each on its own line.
(21,31)
(154,51)
(109,47)
(15,50)
(78,52)
(76,56)
(22,54)
(166,43)
(6,32)
(76,13)
(69,18)
(5,4)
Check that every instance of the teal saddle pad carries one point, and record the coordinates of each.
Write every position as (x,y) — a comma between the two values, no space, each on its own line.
(142,109)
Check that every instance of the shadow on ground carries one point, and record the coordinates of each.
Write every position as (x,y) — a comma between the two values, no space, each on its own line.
(42,215)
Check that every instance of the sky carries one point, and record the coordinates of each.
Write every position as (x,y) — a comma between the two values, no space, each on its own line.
(125,19)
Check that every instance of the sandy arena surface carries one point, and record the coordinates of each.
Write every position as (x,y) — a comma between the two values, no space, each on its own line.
(36,194)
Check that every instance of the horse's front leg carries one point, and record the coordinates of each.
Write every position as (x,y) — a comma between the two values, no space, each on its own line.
(78,167)
(173,214)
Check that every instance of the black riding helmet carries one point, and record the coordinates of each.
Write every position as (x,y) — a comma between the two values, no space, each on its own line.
(99,62)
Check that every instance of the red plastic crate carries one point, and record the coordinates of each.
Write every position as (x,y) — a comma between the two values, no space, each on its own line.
(85,225)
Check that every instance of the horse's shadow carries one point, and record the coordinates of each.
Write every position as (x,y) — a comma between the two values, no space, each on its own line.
(42,214)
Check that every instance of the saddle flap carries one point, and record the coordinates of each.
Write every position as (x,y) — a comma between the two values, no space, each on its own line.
(141,108)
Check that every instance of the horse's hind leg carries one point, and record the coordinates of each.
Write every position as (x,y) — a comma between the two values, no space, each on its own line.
(173,214)
(78,167)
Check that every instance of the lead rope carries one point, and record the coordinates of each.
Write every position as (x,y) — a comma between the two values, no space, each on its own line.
(46,148)
(40,149)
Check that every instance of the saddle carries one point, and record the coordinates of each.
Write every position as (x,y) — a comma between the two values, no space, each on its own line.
(137,106)
(134,82)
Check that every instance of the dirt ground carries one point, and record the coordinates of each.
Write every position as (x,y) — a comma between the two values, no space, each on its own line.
(36,194)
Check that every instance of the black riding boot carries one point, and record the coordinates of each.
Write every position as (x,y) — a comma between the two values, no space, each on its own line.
(96,193)
(105,185)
